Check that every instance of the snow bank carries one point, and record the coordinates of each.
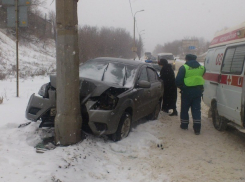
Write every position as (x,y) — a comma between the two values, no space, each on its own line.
(35,59)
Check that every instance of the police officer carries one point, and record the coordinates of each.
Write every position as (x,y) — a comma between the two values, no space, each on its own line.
(190,81)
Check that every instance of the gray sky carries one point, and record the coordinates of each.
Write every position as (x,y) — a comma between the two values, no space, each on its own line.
(163,20)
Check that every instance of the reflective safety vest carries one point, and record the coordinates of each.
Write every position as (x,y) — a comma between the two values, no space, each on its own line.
(194,76)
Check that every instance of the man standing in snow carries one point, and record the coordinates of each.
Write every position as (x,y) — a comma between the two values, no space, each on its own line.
(190,81)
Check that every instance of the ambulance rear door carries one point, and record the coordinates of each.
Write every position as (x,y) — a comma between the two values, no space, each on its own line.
(213,63)
(229,89)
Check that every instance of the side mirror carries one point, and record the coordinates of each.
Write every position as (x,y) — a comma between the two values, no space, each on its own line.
(143,84)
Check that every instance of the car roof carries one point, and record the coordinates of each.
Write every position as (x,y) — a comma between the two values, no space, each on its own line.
(121,60)
(163,54)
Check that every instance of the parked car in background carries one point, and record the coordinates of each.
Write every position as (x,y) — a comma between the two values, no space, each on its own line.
(149,57)
(114,93)
(167,56)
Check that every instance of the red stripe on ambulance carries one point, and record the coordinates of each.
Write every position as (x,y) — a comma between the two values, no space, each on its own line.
(233,80)
(211,77)
(226,37)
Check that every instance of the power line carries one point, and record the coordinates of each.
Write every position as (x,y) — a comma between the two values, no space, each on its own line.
(133,16)
(131,8)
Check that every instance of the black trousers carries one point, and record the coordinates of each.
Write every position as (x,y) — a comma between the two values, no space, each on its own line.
(193,102)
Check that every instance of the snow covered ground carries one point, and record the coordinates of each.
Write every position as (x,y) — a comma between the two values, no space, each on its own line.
(156,151)
(36,58)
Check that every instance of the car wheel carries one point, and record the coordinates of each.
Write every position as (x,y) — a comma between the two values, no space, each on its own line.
(219,122)
(124,127)
(154,115)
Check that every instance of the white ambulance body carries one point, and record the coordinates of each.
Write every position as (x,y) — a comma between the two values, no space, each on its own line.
(224,88)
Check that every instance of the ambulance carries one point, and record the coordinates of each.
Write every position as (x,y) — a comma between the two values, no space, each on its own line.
(224,88)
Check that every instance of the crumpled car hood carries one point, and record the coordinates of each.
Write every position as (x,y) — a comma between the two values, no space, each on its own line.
(90,87)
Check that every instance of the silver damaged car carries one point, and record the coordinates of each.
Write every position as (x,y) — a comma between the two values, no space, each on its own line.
(114,93)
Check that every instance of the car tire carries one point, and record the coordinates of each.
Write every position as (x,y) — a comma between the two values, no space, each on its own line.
(219,122)
(154,115)
(123,128)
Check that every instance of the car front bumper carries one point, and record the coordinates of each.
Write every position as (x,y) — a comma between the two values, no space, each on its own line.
(103,121)
(38,106)
(100,121)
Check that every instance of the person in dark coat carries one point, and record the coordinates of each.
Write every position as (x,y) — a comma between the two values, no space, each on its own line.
(170,89)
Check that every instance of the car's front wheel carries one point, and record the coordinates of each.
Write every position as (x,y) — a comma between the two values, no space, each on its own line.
(124,127)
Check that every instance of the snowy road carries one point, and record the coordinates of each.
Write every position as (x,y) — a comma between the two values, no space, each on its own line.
(157,151)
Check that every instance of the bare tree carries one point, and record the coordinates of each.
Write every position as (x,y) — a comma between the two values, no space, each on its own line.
(140,47)
(52,19)
(106,42)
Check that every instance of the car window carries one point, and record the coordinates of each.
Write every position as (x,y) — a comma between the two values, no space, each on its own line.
(152,75)
(233,61)
(143,75)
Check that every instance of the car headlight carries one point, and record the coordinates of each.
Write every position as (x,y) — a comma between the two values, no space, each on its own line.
(43,90)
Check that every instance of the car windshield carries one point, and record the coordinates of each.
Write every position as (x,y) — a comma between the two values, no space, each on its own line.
(116,73)
(168,57)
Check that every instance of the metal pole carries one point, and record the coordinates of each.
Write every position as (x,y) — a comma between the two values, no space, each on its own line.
(134,49)
(134,38)
(17,47)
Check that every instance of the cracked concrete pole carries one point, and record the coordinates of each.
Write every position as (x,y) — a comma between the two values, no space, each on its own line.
(68,120)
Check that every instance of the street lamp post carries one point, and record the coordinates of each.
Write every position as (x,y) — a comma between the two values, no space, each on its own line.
(134,48)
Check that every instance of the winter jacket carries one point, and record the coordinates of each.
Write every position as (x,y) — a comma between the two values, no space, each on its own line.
(195,90)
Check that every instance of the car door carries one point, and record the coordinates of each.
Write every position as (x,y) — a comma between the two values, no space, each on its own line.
(155,88)
(229,89)
(143,97)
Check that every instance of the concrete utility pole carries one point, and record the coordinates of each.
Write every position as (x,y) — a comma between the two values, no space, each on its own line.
(68,120)
(134,49)
(17,47)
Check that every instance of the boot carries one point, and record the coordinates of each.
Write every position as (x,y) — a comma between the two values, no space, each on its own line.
(174,113)
(197,132)
(183,127)
(197,129)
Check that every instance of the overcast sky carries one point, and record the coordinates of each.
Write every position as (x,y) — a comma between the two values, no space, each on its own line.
(163,20)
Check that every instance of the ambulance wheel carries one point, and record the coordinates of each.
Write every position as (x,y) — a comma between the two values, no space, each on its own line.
(219,122)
